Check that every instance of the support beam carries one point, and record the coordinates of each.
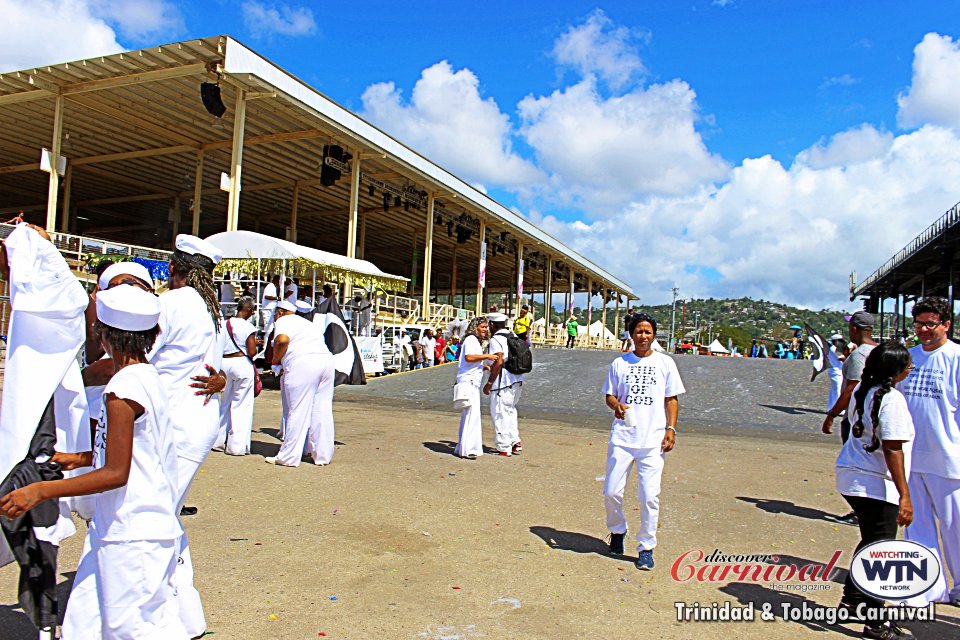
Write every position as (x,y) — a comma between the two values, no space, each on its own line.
(236,161)
(362,238)
(590,308)
(616,319)
(428,256)
(453,277)
(352,218)
(175,221)
(65,208)
(603,318)
(196,205)
(53,187)
(294,205)
(520,277)
(482,272)
(548,297)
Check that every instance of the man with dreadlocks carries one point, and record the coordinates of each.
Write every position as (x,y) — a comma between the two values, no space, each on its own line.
(190,346)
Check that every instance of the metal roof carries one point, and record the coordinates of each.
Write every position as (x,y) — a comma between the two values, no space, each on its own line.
(134,130)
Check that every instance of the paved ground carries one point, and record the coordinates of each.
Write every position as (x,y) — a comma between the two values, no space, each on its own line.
(400,539)
(724,395)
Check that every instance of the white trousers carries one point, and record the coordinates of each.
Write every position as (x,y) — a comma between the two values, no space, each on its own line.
(836,386)
(308,390)
(503,410)
(936,518)
(236,408)
(266,317)
(124,591)
(471,432)
(649,464)
(191,607)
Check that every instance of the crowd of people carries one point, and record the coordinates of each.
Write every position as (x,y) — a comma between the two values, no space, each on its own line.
(167,379)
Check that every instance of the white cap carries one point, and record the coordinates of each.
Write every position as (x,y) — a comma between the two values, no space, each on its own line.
(198,246)
(836,336)
(304,307)
(134,269)
(496,317)
(286,305)
(129,308)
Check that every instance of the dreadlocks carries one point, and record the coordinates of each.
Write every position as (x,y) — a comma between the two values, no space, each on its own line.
(130,343)
(198,271)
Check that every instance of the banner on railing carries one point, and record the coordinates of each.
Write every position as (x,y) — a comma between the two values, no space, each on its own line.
(371,354)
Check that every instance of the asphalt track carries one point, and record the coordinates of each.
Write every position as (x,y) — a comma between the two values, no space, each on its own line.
(724,395)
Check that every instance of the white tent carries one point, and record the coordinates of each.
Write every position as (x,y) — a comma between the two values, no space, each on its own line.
(716,347)
(274,254)
(597,329)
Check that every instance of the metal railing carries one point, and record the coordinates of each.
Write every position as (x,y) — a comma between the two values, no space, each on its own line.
(934,231)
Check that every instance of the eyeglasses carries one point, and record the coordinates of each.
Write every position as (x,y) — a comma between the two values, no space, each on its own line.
(926,325)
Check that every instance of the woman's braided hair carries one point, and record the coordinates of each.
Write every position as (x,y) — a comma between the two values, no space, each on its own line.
(198,271)
(130,343)
(884,364)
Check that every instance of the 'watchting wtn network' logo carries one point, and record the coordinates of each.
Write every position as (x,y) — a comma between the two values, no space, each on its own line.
(894,569)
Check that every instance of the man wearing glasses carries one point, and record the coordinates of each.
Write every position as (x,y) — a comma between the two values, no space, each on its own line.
(932,391)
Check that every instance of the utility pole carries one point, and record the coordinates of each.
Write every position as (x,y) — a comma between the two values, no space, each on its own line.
(696,326)
(683,321)
(672,343)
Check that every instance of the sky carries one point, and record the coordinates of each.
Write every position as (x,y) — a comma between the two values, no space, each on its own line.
(728,148)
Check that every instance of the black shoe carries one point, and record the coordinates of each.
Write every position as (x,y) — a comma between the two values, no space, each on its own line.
(850,519)
(616,543)
(188,511)
(851,609)
(888,631)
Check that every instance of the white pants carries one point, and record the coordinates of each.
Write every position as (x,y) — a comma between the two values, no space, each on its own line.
(124,591)
(936,501)
(836,386)
(308,391)
(649,469)
(266,317)
(503,410)
(191,607)
(236,407)
(471,433)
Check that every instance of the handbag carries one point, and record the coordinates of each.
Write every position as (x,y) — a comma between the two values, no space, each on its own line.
(462,395)
(257,382)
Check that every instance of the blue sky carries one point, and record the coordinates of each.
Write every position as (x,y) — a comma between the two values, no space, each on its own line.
(734,145)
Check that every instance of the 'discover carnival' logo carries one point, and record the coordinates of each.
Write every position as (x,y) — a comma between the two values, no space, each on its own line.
(718,566)
(894,569)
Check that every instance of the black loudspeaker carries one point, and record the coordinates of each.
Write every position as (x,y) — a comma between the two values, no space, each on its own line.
(210,95)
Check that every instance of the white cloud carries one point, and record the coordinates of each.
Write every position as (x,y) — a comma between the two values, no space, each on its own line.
(264,20)
(604,152)
(845,80)
(142,21)
(787,234)
(934,93)
(722,3)
(447,120)
(598,47)
(44,32)
(848,147)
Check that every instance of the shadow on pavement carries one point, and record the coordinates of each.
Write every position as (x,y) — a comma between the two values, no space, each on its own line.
(793,411)
(746,592)
(444,446)
(576,542)
(14,623)
(789,508)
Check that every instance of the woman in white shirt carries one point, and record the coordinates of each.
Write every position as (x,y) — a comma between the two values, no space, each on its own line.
(236,403)
(641,388)
(307,388)
(874,463)
(470,370)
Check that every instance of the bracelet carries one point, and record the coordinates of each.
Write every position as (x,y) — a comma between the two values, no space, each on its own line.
(674,429)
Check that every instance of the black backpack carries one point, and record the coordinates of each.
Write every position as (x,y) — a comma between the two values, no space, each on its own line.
(519,357)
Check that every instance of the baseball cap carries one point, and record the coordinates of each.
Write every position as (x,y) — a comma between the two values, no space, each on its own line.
(861,319)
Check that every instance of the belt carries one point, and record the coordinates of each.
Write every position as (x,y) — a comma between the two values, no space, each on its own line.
(236,354)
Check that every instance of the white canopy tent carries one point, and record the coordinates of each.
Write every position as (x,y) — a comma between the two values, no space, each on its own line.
(241,247)
(716,347)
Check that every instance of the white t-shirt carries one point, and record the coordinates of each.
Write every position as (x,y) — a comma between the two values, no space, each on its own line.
(188,340)
(498,344)
(292,288)
(305,338)
(932,390)
(643,384)
(470,371)
(242,329)
(226,292)
(142,509)
(836,365)
(429,349)
(269,290)
(864,473)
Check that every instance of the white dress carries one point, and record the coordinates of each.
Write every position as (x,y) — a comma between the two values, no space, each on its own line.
(236,402)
